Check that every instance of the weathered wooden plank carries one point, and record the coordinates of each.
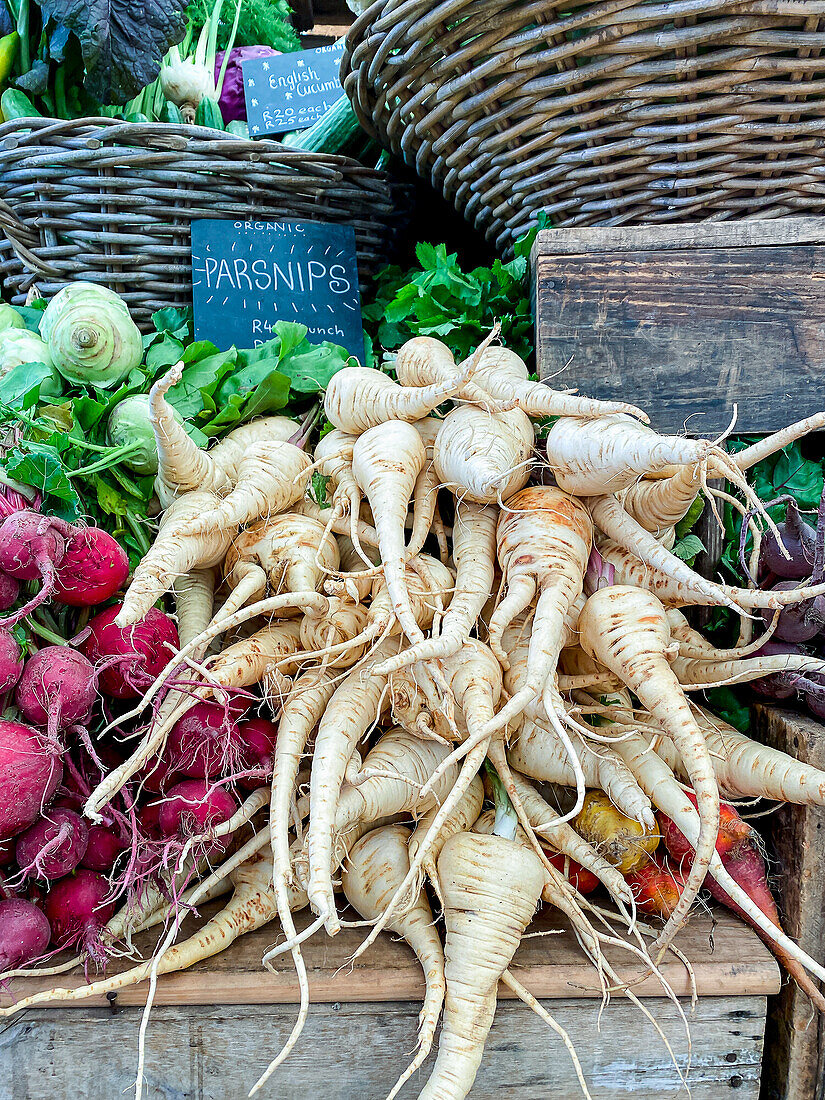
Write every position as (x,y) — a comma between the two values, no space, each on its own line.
(687,320)
(724,953)
(688,334)
(795,1034)
(778,231)
(356,1052)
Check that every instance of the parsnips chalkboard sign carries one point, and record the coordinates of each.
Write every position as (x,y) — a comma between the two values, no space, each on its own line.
(248,274)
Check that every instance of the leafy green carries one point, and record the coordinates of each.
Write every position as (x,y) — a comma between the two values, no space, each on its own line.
(40,465)
(459,307)
(20,388)
(728,706)
(122,43)
(262,23)
(688,548)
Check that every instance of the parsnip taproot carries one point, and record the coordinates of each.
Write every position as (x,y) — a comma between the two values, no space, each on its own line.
(270,478)
(474,534)
(484,456)
(174,553)
(375,868)
(182,466)
(491,887)
(386,462)
(355,706)
(500,376)
(626,630)
(544,538)
(359,398)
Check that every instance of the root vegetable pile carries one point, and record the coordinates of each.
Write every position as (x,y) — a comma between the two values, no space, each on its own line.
(437,670)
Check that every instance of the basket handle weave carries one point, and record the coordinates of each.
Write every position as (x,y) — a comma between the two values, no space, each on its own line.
(22,239)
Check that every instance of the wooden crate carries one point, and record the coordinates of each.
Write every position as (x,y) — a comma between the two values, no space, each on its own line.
(795,1068)
(686,320)
(216,1025)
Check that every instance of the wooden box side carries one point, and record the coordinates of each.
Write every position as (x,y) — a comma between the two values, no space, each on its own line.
(795,1034)
(687,322)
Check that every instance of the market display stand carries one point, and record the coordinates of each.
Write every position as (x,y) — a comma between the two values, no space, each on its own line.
(696,318)
(215,1026)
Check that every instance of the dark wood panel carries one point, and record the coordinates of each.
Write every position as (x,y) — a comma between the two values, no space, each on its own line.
(629,238)
(688,333)
(356,1052)
(795,1037)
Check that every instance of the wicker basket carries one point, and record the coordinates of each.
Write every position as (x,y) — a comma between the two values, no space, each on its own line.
(599,113)
(112,202)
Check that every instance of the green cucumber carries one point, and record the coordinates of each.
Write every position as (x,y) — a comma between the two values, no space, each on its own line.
(330,134)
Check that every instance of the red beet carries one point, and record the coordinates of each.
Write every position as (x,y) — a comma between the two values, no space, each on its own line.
(58,689)
(9,591)
(257,738)
(194,807)
(24,933)
(94,566)
(103,849)
(11,660)
(205,741)
(30,771)
(77,908)
(145,649)
(733,833)
(53,846)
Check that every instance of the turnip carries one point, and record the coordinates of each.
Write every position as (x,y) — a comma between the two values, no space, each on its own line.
(144,647)
(57,690)
(30,770)
(24,933)
(53,846)
(103,849)
(11,660)
(94,566)
(192,808)
(77,909)
(205,741)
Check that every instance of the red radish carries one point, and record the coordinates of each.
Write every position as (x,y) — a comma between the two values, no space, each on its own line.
(657,886)
(194,807)
(53,846)
(145,648)
(11,660)
(9,591)
(579,877)
(58,689)
(94,566)
(257,738)
(733,833)
(205,741)
(77,908)
(31,546)
(30,771)
(103,849)
(24,933)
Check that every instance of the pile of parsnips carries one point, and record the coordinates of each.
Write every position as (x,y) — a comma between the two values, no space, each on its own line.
(542,633)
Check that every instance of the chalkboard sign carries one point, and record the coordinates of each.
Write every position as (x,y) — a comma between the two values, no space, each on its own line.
(291,91)
(247,275)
